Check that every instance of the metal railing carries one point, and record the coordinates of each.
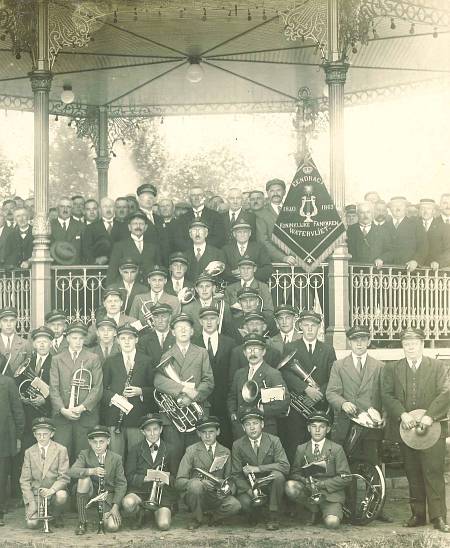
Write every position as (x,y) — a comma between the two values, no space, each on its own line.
(78,290)
(15,290)
(390,299)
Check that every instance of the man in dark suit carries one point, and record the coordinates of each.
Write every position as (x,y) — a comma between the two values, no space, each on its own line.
(19,243)
(156,342)
(247,269)
(12,424)
(91,465)
(260,454)
(219,350)
(106,339)
(241,247)
(178,265)
(99,236)
(366,242)
(409,241)
(156,232)
(37,405)
(128,374)
(55,320)
(191,364)
(134,246)
(237,214)
(180,230)
(4,231)
(316,358)
(438,236)
(150,454)
(130,287)
(329,483)
(285,317)
(257,376)
(419,382)
(66,229)
(266,219)
(200,253)
(200,494)
(13,347)
(74,416)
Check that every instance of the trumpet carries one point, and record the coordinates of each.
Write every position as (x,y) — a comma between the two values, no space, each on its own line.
(183,418)
(81,381)
(258,497)
(43,515)
(153,502)
(300,402)
(147,313)
(222,486)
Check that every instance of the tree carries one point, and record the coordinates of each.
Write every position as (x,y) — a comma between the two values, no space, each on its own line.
(72,169)
(6,175)
(148,152)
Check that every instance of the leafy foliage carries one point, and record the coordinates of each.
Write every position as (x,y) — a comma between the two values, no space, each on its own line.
(6,175)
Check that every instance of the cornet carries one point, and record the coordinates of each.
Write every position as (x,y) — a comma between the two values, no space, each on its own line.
(147,313)
(81,380)
(153,502)
(258,497)
(42,503)
(222,486)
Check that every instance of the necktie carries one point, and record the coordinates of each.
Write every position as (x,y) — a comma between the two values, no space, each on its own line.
(210,350)
(210,452)
(56,345)
(183,351)
(233,218)
(316,452)
(106,351)
(285,338)
(256,447)
(396,224)
(198,254)
(42,454)
(66,225)
(241,249)
(161,340)
(39,365)
(414,364)
(8,345)
(140,245)
(251,372)
(359,364)
(108,226)
(447,221)
(154,447)
(75,356)
(310,350)
(128,364)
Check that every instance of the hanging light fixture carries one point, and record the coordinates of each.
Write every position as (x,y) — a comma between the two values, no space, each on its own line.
(67,95)
(194,73)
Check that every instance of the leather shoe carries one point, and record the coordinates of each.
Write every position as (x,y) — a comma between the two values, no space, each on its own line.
(384,518)
(81,529)
(272,525)
(440,525)
(194,524)
(415,521)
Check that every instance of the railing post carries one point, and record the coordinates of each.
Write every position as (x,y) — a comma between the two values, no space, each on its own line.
(41,79)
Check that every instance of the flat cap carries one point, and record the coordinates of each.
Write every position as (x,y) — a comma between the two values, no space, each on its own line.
(246,413)
(128,262)
(42,422)
(284,309)
(127,329)
(254,316)
(204,277)
(98,431)
(358,331)
(178,257)
(275,182)
(412,333)
(207,422)
(8,312)
(42,332)
(55,315)
(106,322)
(161,308)
(310,315)
(147,187)
(150,418)
(208,311)
(77,327)
(254,339)
(158,270)
(181,318)
(112,292)
(137,215)
(246,260)
(244,292)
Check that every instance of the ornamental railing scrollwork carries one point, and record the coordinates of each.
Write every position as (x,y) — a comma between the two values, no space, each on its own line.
(15,291)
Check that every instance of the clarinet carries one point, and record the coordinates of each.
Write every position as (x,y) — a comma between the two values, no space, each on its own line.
(101,490)
(118,427)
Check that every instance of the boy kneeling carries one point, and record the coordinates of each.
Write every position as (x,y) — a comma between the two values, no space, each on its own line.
(44,475)
(316,480)
(151,454)
(100,474)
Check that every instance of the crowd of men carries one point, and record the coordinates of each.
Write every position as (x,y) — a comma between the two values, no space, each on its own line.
(179,392)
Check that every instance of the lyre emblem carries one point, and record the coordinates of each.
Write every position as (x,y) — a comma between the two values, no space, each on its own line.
(308,208)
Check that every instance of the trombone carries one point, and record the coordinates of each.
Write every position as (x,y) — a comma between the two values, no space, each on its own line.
(153,502)
(81,381)
(222,486)
(43,515)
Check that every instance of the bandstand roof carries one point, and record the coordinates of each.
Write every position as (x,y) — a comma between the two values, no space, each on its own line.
(138,54)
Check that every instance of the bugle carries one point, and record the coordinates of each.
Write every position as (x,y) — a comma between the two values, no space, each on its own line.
(184,418)
(153,502)
(221,486)
(81,381)
(42,514)
(258,497)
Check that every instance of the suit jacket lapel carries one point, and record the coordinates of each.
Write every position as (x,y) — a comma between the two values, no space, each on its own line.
(50,457)
(146,453)
(368,371)
(400,371)
(264,447)
(36,457)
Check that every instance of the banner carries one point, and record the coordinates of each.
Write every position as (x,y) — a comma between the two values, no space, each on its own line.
(308,226)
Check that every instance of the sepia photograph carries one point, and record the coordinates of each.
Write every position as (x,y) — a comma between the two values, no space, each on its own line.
(224,273)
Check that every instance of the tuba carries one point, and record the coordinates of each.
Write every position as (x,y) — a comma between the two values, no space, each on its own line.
(222,486)
(300,402)
(81,381)
(30,385)
(42,514)
(370,494)
(183,418)
(258,497)
(153,502)
(147,313)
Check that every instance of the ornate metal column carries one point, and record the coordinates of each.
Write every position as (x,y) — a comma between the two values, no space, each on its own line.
(102,160)
(41,79)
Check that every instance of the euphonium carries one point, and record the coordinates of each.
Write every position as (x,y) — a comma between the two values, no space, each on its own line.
(300,402)
(27,390)
(183,418)
(81,380)
(222,486)
(153,502)
(147,313)
(186,295)
(42,504)
(258,497)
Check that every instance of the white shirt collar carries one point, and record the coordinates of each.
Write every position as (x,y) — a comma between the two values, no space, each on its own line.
(418,362)
(363,359)
(213,447)
(198,209)
(290,335)
(184,348)
(235,213)
(202,248)
(63,221)
(397,221)
(248,283)
(312,343)
(253,369)
(6,337)
(131,355)
(257,441)
(136,238)
(319,443)
(155,296)
(204,304)
(214,340)
(38,356)
(445,218)
(150,445)
(116,317)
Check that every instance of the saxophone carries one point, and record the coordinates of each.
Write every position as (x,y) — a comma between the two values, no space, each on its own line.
(118,427)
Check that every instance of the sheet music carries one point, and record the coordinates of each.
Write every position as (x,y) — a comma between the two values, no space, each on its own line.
(157,475)
(276,393)
(218,463)
(121,403)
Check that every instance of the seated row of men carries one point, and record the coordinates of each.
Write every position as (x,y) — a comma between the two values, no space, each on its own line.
(190,373)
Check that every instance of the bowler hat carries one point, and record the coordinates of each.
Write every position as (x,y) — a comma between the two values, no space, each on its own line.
(64,253)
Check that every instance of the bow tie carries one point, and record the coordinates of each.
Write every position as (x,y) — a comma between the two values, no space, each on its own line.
(154,447)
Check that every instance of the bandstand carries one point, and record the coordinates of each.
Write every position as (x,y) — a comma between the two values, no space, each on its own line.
(129,60)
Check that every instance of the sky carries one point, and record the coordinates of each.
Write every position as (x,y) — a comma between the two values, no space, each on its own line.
(396,147)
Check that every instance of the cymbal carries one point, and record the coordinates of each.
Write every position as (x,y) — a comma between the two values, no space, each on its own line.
(418,438)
